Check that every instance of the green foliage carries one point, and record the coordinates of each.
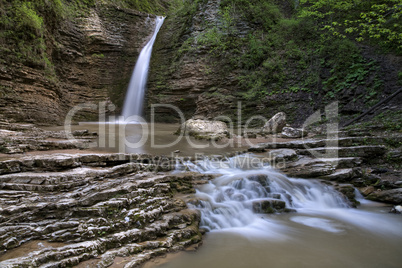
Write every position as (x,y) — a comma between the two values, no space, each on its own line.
(391,120)
(213,38)
(100,56)
(149,6)
(379,21)
(262,13)
(257,52)
(348,68)
(228,14)
(26,17)
(28,27)
(282,54)
(400,78)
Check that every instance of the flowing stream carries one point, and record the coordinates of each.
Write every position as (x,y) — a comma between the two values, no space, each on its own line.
(320,230)
(134,100)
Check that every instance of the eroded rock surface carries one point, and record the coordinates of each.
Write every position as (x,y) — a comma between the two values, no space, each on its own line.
(343,160)
(21,138)
(100,206)
(93,57)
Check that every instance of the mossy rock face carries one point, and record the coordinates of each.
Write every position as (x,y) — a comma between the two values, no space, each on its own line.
(269,206)
(241,54)
(349,193)
(4,150)
(58,54)
(261,179)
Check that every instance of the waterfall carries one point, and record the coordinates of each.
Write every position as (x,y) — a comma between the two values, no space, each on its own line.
(246,189)
(133,103)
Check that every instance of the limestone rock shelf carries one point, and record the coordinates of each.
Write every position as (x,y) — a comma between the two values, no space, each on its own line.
(97,212)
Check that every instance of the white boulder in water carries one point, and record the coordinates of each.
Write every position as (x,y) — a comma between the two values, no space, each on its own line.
(205,129)
(275,124)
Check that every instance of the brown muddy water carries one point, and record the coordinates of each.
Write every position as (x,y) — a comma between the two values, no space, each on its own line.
(156,139)
(297,245)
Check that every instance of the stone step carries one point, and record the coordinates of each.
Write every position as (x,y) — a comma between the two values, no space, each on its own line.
(64,180)
(369,140)
(308,172)
(343,162)
(307,167)
(41,188)
(315,143)
(133,243)
(26,145)
(282,155)
(298,144)
(340,162)
(47,178)
(60,162)
(343,175)
(365,152)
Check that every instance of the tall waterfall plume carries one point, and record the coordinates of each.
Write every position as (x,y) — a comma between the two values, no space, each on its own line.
(133,103)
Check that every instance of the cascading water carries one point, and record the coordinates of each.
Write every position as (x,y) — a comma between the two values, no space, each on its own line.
(322,231)
(246,190)
(133,103)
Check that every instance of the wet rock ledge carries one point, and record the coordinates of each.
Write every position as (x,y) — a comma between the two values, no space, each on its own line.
(97,207)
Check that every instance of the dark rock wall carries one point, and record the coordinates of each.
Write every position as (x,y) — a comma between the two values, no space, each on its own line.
(94,55)
(93,58)
(182,80)
(186,75)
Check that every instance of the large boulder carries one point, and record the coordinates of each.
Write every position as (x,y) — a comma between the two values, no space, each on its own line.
(268,206)
(393,196)
(204,129)
(275,124)
(293,133)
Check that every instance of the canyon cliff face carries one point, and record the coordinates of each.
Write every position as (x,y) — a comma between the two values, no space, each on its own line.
(93,58)
(188,81)
(200,70)
(209,59)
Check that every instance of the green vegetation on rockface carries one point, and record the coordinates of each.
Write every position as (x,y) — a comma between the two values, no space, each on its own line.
(311,49)
(25,27)
(49,54)
(378,21)
(277,47)
(28,28)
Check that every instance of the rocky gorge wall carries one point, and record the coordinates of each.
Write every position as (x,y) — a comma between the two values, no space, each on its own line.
(93,56)
(210,55)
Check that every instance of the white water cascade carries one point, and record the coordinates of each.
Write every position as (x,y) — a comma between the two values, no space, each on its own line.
(134,99)
(229,202)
